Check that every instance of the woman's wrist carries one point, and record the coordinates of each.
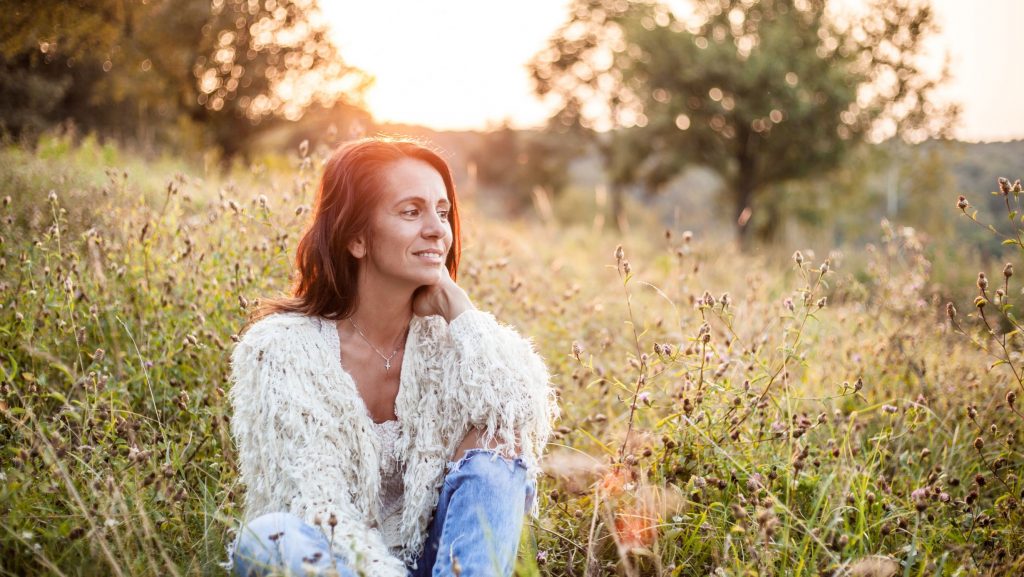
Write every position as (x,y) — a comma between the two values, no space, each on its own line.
(455,302)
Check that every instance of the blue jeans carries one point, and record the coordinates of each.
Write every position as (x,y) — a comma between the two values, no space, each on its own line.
(477,522)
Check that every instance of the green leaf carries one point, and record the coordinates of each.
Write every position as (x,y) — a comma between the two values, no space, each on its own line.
(1010,241)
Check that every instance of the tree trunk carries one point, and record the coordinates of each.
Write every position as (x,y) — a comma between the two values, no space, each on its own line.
(618,207)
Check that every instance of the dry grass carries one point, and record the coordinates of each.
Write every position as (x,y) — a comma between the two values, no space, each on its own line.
(723,414)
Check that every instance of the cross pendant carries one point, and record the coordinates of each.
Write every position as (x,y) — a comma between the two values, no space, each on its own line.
(387,364)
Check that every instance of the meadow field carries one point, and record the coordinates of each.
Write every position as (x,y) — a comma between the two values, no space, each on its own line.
(803,411)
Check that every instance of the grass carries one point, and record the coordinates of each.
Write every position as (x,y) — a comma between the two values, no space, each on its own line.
(723,414)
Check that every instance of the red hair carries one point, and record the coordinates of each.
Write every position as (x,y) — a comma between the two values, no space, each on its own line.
(350,191)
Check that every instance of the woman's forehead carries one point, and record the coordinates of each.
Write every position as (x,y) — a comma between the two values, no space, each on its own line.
(411,177)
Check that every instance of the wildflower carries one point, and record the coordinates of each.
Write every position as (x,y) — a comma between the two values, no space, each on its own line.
(687,236)
(961,203)
(708,300)
(788,304)
(889,409)
(634,529)
(52,197)
(1004,186)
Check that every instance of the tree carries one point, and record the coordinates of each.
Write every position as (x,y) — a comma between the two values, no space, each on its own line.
(517,161)
(763,92)
(234,67)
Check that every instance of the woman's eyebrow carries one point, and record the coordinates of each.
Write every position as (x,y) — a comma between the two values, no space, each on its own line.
(421,200)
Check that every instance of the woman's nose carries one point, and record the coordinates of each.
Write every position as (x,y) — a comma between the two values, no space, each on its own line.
(433,226)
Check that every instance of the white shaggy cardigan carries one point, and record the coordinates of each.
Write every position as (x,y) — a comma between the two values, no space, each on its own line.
(303,433)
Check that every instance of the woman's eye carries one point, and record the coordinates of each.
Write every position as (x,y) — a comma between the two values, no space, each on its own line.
(443,214)
(411,212)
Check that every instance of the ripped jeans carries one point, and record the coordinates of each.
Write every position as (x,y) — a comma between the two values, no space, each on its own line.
(477,524)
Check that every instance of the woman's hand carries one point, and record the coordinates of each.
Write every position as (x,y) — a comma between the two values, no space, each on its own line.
(444,298)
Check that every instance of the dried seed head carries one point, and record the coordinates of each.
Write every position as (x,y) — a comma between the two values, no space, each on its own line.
(961,203)
(798,258)
(332,520)
(950,311)
(1016,187)
(982,281)
(577,350)
(1011,398)
(1004,186)
(687,236)
(822,302)
(979,443)
(619,253)
(625,267)
(980,302)
(1008,270)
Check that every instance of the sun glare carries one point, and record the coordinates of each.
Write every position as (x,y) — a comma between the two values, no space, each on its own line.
(458,64)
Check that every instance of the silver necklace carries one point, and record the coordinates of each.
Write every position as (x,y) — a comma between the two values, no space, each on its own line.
(387,359)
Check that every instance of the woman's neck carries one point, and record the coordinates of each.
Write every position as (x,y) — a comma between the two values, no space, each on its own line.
(382,313)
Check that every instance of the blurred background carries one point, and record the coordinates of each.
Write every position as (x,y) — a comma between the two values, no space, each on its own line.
(782,121)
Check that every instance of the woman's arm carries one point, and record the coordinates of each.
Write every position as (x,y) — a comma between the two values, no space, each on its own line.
(294,454)
(496,380)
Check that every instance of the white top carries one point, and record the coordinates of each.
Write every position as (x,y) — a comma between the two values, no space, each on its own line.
(392,489)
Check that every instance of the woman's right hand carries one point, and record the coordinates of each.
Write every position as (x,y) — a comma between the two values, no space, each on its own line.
(444,298)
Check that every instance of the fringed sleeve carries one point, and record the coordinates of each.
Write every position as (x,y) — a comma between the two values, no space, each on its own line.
(294,454)
(498,382)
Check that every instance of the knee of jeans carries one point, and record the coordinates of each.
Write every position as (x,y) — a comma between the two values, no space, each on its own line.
(491,465)
(268,525)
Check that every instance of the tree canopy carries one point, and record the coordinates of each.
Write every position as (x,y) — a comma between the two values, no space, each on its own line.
(763,92)
(229,68)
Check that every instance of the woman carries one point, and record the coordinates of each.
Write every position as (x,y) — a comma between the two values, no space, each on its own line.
(384,425)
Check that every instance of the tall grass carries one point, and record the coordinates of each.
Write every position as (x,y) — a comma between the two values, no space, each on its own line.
(722,414)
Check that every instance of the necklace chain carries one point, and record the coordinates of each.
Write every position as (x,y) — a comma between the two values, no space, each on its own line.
(387,359)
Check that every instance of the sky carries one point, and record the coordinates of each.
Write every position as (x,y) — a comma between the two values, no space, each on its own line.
(461,64)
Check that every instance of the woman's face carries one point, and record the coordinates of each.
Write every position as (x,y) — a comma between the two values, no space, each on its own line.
(410,231)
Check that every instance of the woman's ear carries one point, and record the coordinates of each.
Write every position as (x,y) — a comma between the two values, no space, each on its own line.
(357,247)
